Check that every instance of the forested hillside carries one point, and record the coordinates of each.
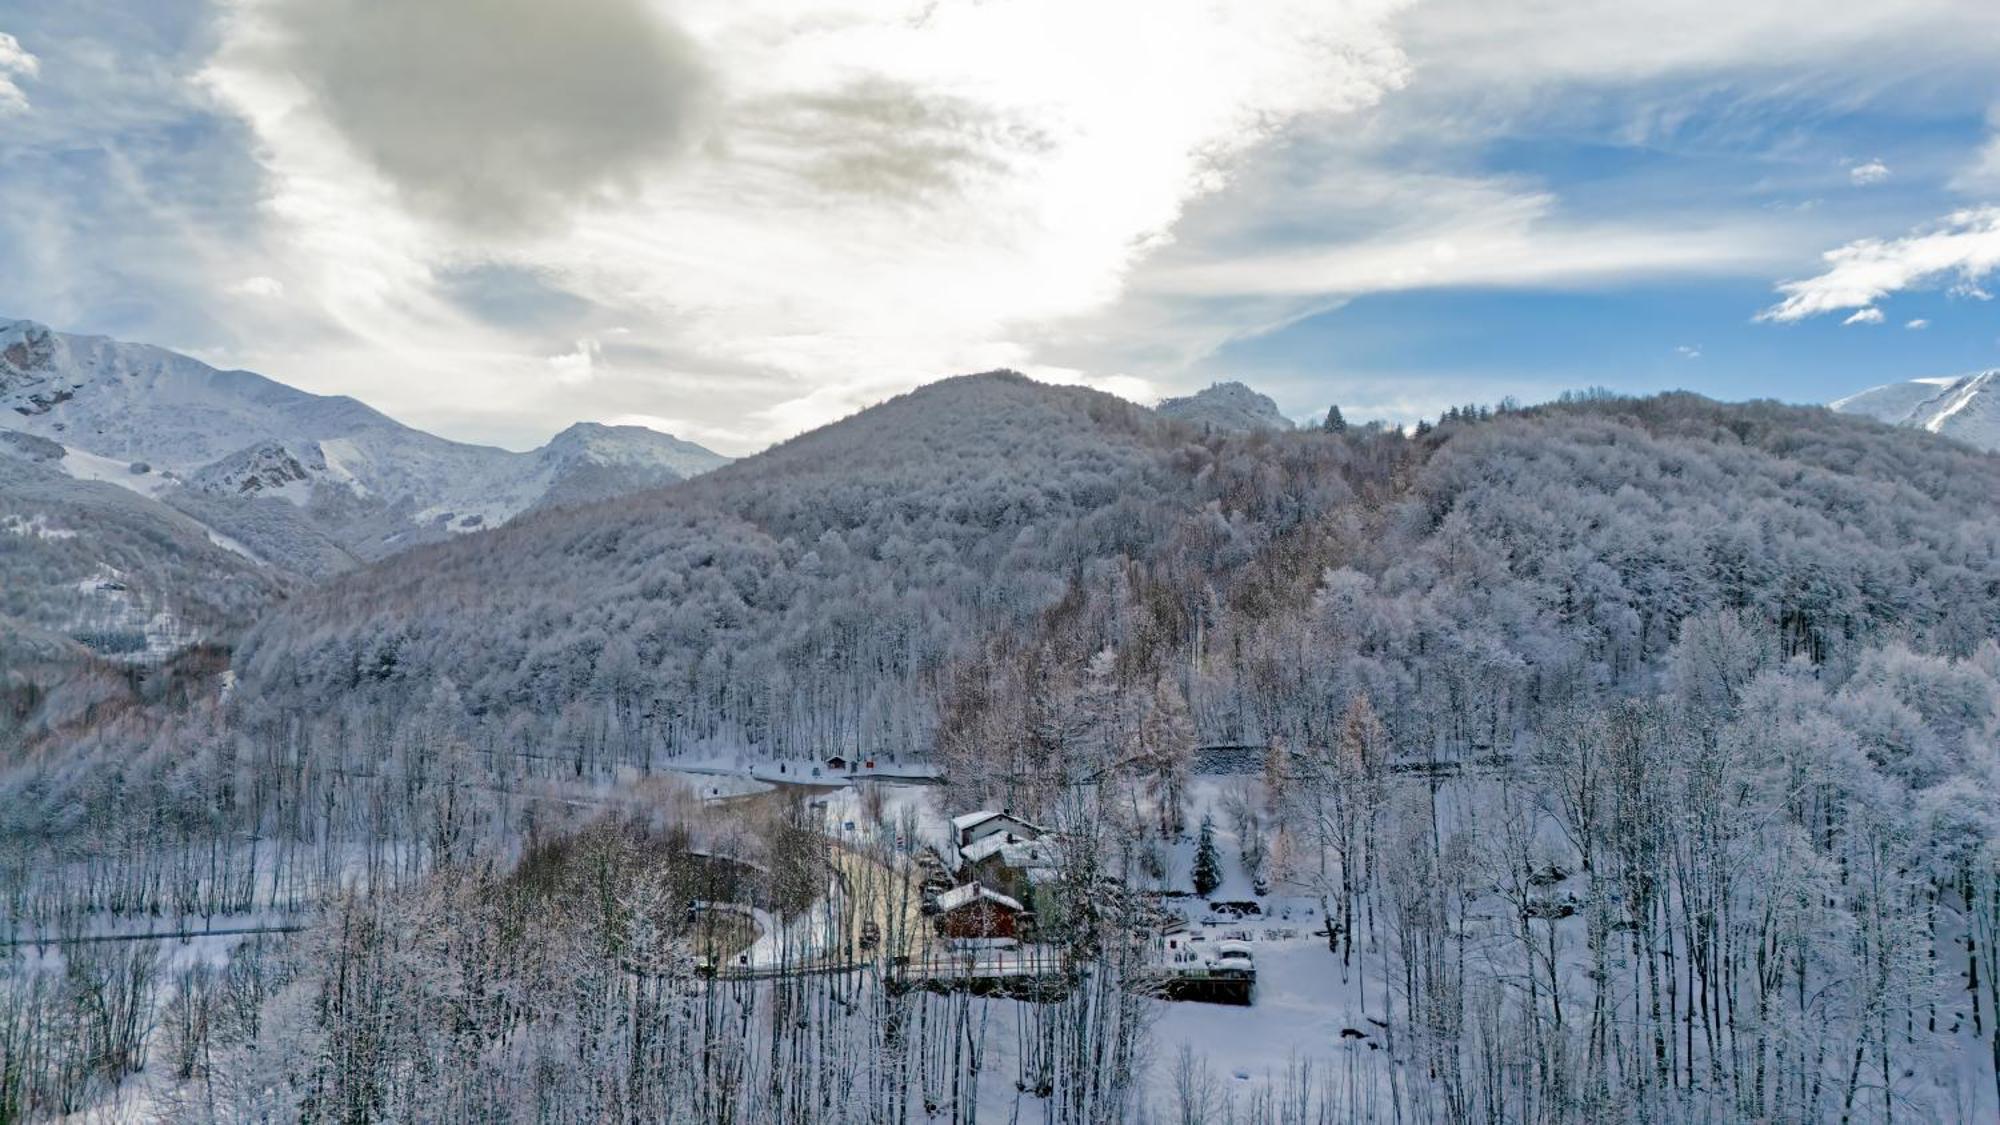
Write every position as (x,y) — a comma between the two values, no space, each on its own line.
(1650,745)
(125,576)
(822,594)
(802,599)
(1514,563)
(1637,759)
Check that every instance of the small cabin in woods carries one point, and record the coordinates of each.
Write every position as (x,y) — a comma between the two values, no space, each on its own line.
(975,912)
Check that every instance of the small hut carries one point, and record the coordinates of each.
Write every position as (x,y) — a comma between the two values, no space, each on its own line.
(974,912)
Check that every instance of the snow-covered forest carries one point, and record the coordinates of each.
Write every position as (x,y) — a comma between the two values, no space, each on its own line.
(1635,759)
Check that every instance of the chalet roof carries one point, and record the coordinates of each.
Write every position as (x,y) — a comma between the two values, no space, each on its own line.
(981,848)
(1027,853)
(971,820)
(970,893)
(1013,853)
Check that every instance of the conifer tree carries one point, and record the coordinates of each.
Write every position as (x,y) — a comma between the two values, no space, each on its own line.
(1207,861)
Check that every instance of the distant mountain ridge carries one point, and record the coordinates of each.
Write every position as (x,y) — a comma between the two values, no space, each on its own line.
(1226,406)
(1965,407)
(219,445)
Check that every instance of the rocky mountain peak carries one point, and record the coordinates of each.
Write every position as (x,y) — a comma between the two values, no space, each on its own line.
(1226,406)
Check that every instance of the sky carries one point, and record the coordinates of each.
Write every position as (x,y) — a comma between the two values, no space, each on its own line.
(734,220)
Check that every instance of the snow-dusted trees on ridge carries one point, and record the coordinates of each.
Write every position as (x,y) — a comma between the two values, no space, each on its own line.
(837,591)
(1643,753)
(801,600)
(1739,688)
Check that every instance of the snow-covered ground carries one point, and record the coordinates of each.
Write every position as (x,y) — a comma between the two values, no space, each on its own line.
(35,526)
(1964,407)
(718,785)
(797,771)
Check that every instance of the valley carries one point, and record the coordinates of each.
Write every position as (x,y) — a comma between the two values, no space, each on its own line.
(1614,756)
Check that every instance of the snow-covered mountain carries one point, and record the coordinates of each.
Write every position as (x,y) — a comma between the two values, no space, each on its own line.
(220,445)
(1966,407)
(1226,406)
(592,461)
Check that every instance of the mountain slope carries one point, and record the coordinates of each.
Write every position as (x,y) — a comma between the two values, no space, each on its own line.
(125,576)
(1629,676)
(1966,407)
(853,559)
(1228,407)
(591,461)
(829,591)
(217,443)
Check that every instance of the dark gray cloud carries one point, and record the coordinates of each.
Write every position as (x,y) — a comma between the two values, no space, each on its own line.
(498,115)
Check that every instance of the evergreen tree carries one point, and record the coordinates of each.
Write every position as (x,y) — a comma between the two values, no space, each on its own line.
(1207,861)
(1334,423)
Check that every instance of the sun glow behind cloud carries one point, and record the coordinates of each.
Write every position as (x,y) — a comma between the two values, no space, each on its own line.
(495,217)
(860,197)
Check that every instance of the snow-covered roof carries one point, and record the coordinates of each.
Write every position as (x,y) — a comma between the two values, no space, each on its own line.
(983,847)
(1027,853)
(969,820)
(972,892)
(1014,853)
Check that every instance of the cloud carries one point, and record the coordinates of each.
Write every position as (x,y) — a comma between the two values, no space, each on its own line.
(689,429)
(1513,242)
(801,206)
(260,286)
(1132,388)
(1917,325)
(1964,245)
(1849,47)
(1865,316)
(498,114)
(15,63)
(1982,174)
(1689,351)
(895,139)
(1873,172)
(872,195)
(577,367)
